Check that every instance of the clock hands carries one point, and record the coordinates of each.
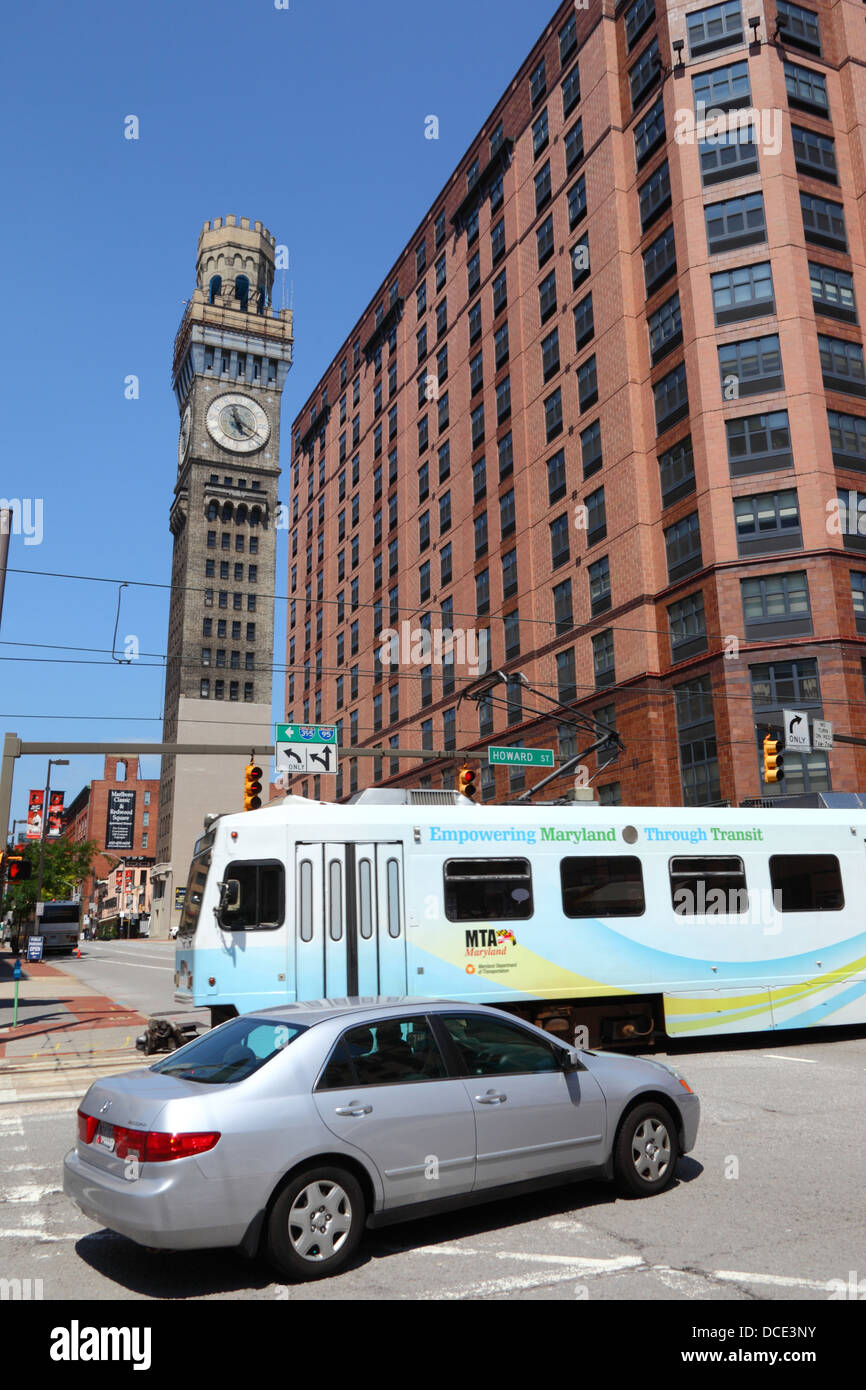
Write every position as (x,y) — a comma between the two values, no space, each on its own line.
(241,425)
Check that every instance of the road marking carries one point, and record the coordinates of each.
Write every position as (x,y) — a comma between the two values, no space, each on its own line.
(776,1057)
(781,1281)
(31,1193)
(42,1235)
(136,965)
(491,1287)
(580,1263)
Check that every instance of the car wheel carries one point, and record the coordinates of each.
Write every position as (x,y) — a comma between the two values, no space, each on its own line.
(316,1223)
(646,1152)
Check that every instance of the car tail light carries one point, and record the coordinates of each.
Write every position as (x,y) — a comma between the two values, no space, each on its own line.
(160,1148)
(87,1126)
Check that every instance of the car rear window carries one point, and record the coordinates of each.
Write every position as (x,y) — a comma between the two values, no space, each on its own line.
(231,1052)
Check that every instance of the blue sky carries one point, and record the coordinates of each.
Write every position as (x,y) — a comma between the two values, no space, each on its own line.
(310,119)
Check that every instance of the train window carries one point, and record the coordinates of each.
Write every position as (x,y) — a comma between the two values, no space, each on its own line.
(487,890)
(365,899)
(335,912)
(305,903)
(609,886)
(258,901)
(712,885)
(807,882)
(393,898)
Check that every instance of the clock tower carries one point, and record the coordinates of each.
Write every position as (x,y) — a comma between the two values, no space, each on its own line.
(232,354)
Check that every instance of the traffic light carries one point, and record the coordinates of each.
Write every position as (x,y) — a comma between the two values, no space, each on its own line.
(18,868)
(252,787)
(773,760)
(466,781)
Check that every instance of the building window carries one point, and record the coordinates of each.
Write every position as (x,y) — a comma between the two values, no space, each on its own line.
(568,39)
(659,261)
(599,586)
(671,398)
(500,347)
(842,365)
(789,685)
(547,296)
(563,612)
(590,448)
(596,517)
(556,485)
(482,592)
(576,202)
(473,273)
(474,323)
(751,367)
(665,328)
(560,543)
(758,443)
(511,628)
(848,440)
(538,83)
(649,132)
(798,26)
(570,88)
(688,628)
(719,26)
(814,154)
(574,146)
(503,400)
(500,295)
(477,425)
(858,599)
(806,89)
(602,658)
(734,223)
(767,522)
(833,292)
(654,196)
(479,480)
(505,450)
(544,240)
(509,574)
(424,581)
(497,241)
(553,415)
(480,529)
(445,564)
(507,518)
(644,74)
(696,733)
(743,293)
(729,156)
(540,134)
(776,605)
(580,266)
(566,684)
(542,187)
(442,318)
(587,384)
(638,18)
(584,326)
(721,89)
(823,222)
(683,547)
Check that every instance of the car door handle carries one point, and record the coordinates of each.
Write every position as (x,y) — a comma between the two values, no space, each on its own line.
(354,1109)
(492,1098)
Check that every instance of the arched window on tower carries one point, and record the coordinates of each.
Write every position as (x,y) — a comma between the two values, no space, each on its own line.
(216,287)
(213,510)
(255,516)
(242,290)
(228,510)
(241,514)
(261,299)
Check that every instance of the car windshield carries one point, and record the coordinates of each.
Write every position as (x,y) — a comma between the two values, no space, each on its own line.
(231,1052)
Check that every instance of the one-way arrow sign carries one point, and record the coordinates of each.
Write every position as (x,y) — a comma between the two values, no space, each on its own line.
(796,730)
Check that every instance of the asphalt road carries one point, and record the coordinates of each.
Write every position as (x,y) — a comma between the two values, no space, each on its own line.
(138,974)
(768,1207)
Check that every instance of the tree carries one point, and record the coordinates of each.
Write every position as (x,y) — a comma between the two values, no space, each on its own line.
(66,864)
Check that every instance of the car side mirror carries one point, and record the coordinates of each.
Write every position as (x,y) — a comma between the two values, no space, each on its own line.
(571,1060)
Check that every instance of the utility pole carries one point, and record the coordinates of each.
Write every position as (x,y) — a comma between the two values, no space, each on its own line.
(5,528)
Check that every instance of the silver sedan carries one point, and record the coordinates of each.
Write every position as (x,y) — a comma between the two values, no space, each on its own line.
(289,1131)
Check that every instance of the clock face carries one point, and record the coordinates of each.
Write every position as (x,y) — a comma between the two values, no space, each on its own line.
(183,440)
(238,423)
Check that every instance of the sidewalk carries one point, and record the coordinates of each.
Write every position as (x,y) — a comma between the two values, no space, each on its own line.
(66,1035)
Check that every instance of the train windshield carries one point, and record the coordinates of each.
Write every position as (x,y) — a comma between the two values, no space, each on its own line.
(195,891)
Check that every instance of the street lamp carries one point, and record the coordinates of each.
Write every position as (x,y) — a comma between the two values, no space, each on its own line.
(52,762)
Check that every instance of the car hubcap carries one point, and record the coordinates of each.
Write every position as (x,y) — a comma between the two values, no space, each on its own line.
(319,1220)
(651,1149)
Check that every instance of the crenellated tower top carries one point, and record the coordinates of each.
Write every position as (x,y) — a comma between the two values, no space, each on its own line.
(235,261)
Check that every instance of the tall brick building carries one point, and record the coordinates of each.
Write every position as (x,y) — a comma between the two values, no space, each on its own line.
(610,404)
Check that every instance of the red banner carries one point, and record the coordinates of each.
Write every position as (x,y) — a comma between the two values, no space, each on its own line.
(118,880)
(55,814)
(130,880)
(34,815)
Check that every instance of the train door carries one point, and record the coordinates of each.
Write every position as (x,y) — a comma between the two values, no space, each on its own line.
(350,933)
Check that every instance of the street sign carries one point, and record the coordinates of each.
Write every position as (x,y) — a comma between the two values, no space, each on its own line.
(521,757)
(822,734)
(34,947)
(306,748)
(796,730)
